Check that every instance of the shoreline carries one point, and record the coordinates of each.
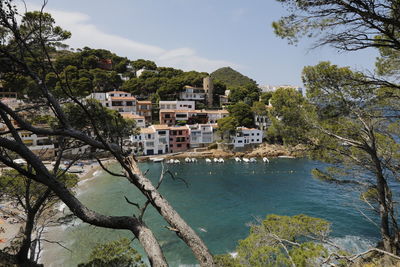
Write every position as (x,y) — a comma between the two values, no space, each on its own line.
(264,150)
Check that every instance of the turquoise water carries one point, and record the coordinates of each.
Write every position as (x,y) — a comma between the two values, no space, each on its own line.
(219,202)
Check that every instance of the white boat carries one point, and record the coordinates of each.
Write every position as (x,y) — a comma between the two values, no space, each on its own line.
(187,160)
(19,161)
(194,160)
(177,161)
(156,159)
(286,157)
(253,160)
(216,160)
(265,159)
(221,160)
(238,159)
(246,160)
(208,160)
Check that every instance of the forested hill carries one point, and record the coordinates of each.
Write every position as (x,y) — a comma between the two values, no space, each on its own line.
(231,77)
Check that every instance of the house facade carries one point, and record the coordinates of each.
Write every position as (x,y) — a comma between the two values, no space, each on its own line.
(201,135)
(144,108)
(179,138)
(247,136)
(177,104)
(140,120)
(171,117)
(192,93)
(153,140)
(117,100)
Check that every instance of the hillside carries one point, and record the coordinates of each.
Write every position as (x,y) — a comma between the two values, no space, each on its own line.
(231,77)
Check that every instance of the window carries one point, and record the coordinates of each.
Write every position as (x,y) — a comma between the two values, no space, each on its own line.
(162,132)
(252,140)
(129,103)
(179,145)
(252,134)
(258,133)
(167,116)
(171,145)
(180,132)
(240,141)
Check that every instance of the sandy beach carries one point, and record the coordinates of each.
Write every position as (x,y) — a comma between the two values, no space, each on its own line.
(11,219)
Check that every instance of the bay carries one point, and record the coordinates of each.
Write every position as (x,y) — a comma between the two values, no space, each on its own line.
(218,201)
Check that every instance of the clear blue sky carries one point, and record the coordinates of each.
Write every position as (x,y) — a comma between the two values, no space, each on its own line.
(200,35)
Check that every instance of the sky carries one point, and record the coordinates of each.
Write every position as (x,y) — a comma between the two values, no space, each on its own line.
(201,35)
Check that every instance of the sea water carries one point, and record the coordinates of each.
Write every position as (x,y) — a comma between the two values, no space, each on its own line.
(219,201)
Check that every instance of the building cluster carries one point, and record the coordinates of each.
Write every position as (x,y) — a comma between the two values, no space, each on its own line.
(169,127)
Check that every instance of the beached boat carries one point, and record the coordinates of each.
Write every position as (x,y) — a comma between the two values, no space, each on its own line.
(208,160)
(286,157)
(177,161)
(221,160)
(246,160)
(188,160)
(156,159)
(253,160)
(216,160)
(19,161)
(238,159)
(265,159)
(194,159)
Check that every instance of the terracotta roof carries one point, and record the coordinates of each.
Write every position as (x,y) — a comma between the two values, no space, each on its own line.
(117,92)
(147,130)
(146,102)
(188,86)
(178,128)
(180,111)
(131,116)
(245,128)
(174,110)
(161,127)
(123,98)
(216,111)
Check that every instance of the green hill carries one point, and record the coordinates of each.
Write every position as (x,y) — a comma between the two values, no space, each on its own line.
(231,77)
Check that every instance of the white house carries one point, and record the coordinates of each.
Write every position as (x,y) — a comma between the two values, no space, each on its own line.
(117,100)
(177,104)
(215,115)
(201,134)
(41,145)
(140,120)
(154,140)
(192,93)
(246,136)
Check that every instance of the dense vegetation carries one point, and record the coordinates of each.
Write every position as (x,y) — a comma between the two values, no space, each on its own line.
(231,77)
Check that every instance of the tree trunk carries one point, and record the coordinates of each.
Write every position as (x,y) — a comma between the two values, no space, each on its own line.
(23,252)
(384,198)
(181,228)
